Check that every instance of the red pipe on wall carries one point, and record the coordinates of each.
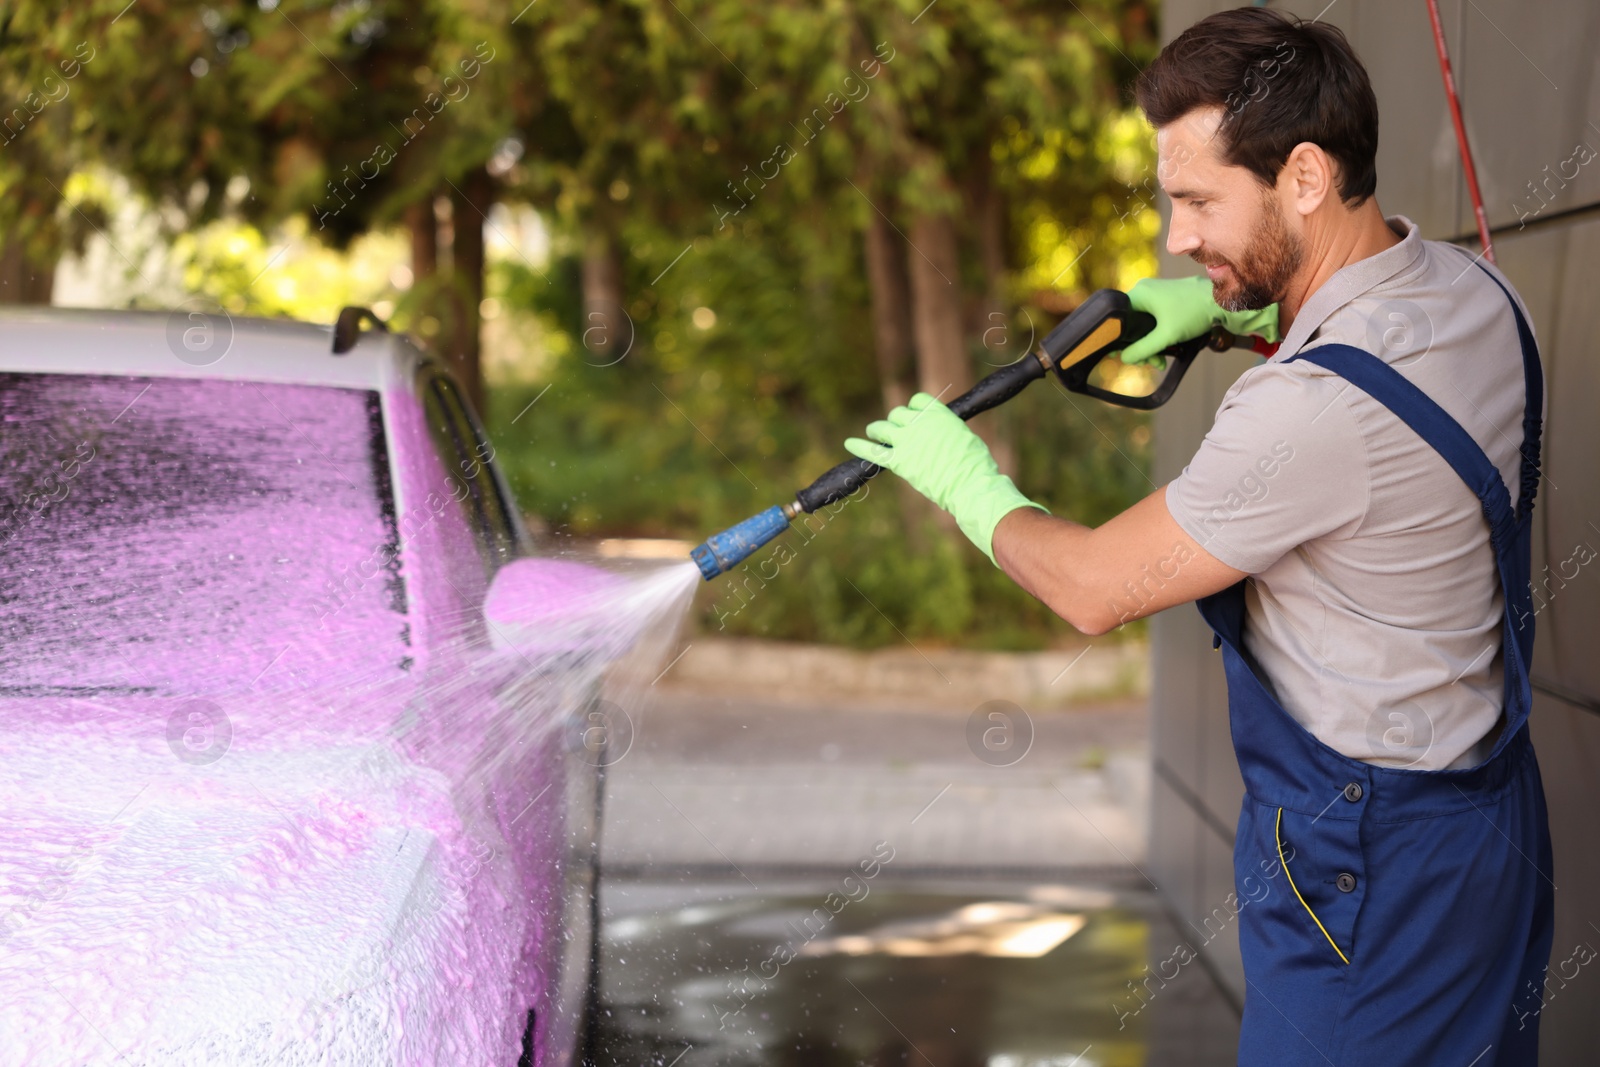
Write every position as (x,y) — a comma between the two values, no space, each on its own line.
(1461,130)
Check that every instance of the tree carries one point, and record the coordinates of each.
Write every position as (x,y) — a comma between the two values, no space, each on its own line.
(381,112)
(38,71)
(872,195)
(356,116)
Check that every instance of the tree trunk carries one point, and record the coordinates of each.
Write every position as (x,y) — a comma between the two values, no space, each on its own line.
(34,241)
(891,335)
(470,202)
(891,310)
(992,326)
(28,253)
(607,333)
(942,365)
(23,281)
(943,369)
(424,227)
(425,301)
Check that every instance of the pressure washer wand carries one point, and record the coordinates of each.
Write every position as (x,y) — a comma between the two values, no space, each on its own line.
(1102,324)
(728,549)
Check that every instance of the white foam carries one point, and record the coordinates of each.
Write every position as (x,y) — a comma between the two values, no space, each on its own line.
(329,892)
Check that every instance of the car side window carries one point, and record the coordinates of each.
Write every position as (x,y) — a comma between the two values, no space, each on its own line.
(468,453)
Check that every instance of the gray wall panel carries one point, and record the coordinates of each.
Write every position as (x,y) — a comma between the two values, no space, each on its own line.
(1175,739)
(1568,742)
(1176,839)
(1217,919)
(1419,173)
(1528,85)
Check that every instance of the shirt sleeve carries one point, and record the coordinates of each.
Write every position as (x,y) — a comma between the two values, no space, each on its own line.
(1285,463)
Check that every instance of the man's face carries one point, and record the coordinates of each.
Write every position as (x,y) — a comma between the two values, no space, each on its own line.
(1223,217)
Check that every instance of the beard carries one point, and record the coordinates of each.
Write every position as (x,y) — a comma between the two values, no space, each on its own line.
(1259,278)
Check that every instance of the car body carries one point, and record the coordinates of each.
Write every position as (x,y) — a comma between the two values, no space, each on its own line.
(275,788)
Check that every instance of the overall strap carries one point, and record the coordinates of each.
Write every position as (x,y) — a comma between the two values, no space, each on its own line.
(1532,408)
(1433,424)
(1510,532)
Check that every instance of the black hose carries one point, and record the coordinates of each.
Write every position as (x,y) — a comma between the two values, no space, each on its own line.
(994,390)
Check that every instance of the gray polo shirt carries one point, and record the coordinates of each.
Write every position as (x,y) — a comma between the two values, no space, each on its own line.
(1374,606)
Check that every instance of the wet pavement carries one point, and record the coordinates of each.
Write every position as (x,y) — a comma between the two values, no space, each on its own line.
(829,885)
(821,973)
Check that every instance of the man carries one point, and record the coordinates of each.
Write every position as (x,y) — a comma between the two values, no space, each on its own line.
(1355,528)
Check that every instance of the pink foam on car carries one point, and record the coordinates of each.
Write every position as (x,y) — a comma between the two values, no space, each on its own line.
(272,794)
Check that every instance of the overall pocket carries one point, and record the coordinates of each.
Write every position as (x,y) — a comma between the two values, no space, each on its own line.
(1301,878)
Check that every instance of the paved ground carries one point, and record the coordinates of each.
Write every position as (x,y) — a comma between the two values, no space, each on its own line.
(717,781)
(696,972)
(735,829)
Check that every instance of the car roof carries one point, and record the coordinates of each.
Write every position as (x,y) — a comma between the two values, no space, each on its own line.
(185,344)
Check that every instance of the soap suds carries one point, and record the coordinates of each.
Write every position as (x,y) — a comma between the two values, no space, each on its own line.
(274,794)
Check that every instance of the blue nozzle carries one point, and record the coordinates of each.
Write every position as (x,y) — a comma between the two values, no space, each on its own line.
(734,545)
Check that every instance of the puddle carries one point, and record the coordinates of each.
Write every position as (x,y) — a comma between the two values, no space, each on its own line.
(820,972)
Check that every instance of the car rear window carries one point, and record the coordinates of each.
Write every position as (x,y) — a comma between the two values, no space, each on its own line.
(173,536)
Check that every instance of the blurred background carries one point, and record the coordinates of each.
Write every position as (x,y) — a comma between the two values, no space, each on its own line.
(677,250)
(710,240)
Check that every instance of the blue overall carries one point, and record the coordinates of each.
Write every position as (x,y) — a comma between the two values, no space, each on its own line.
(1415,921)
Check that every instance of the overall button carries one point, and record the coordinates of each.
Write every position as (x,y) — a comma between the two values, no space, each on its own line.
(1346,883)
(1353,792)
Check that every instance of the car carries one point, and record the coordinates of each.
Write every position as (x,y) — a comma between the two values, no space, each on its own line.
(299,763)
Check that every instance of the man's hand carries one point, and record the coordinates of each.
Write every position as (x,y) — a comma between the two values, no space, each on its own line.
(929,446)
(1184,309)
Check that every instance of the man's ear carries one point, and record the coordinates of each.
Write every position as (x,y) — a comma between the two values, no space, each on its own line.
(1307,178)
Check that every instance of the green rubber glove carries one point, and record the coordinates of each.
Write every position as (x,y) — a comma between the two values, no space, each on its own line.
(929,446)
(1184,309)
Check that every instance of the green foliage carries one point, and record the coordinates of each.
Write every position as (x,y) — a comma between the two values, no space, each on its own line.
(696,429)
(699,427)
(734,152)
(296,97)
(621,448)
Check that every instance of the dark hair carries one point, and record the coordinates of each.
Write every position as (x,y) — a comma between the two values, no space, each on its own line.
(1280,81)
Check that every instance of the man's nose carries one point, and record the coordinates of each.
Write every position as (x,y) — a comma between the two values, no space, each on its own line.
(1181,240)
